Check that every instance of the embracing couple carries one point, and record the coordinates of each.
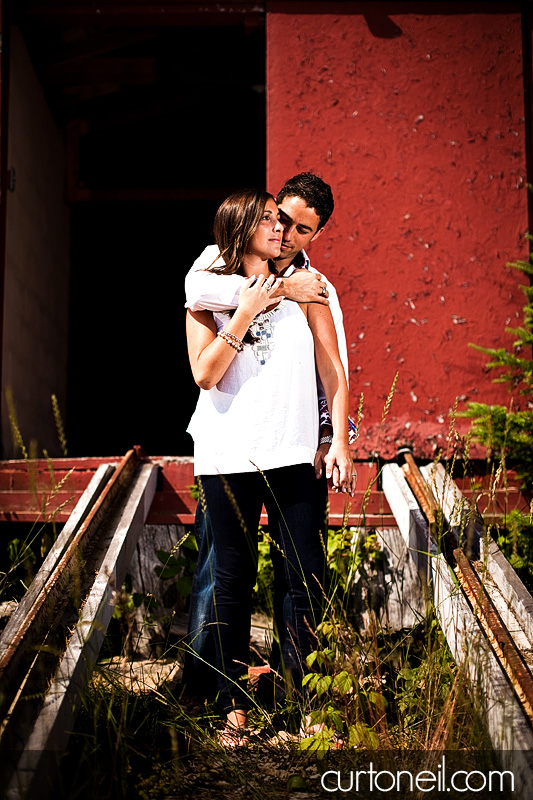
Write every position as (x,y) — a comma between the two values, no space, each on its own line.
(267,349)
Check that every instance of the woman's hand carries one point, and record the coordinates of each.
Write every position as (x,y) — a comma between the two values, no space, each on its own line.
(256,294)
(210,355)
(339,468)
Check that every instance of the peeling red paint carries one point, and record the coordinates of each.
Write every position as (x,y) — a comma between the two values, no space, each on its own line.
(422,138)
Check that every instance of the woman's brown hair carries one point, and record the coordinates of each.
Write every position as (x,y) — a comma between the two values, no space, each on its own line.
(236,221)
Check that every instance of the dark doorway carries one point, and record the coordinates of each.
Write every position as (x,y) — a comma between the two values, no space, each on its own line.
(159,127)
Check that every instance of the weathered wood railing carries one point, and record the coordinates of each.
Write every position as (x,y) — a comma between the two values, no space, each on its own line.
(26,488)
(484,610)
(52,640)
(50,643)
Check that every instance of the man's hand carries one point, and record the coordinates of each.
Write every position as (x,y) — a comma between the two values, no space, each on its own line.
(320,458)
(340,469)
(304,286)
(338,465)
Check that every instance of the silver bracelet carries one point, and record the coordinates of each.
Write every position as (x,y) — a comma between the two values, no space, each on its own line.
(325,440)
(232,340)
(232,336)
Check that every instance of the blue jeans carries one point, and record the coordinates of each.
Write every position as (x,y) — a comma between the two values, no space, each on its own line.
(199,677)
(295,504)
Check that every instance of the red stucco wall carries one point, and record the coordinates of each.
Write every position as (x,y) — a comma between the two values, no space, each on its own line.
(422,138)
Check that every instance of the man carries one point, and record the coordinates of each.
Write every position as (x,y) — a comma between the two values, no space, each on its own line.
(305,204)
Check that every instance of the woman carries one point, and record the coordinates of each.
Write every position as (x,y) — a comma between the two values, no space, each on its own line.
(255,431)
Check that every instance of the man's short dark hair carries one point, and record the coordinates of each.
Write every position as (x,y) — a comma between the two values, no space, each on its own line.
(316,193)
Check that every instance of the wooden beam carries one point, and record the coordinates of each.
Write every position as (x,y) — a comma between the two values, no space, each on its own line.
(411,521)
(508,726)
(404,602)
(509,730)
(115,12)
(30,622)
(83,507)
(514,592)
(23,487)
(113,551)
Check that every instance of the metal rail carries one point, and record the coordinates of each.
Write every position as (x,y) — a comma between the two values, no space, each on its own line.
(50,644)
(501,640)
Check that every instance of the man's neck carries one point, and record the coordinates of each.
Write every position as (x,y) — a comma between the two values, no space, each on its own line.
(283,263)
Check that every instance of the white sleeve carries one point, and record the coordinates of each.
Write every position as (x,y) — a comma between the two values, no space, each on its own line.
(209,291)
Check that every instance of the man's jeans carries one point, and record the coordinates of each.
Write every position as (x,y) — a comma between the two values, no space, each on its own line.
(199,675)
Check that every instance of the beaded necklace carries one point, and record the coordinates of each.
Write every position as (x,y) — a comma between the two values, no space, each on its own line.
(261,330)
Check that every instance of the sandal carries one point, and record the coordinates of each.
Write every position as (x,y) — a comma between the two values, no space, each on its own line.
(231,737)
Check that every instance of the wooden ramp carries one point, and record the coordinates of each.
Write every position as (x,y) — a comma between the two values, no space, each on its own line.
(483,608)
(51,642)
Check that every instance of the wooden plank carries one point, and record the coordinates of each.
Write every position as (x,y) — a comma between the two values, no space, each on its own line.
(128,14)
(494,501)
(54,723)
(38,480)
(29,507)
(512,587)
(507,723)
(28,627)
(144,573)
(492,559)
(17,644)
(503,643)
(6,481)
(508,726)
(78,516)
(41,464)
(411,522)
(19,501)
(465,524)
(390,589)
(173,503)
(72,480)
(167,515)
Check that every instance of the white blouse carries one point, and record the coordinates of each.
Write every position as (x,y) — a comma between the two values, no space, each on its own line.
(263,413)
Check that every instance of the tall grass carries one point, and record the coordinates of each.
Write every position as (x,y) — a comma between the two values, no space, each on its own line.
(376,690)
(373,691)
(25,552)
